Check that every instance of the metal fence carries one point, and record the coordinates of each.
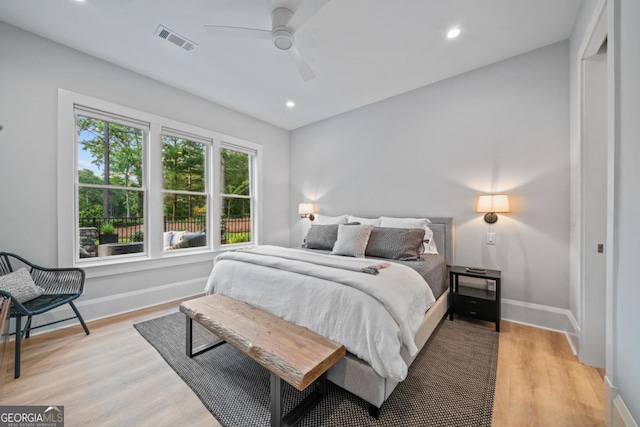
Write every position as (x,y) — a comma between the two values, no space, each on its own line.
(232,230)
(132,228)
(235,229)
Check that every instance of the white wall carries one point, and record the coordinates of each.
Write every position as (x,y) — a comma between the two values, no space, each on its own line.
(31,71)
(626,317)
(432,151)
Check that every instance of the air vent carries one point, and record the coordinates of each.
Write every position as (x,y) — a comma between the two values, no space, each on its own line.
(174,38)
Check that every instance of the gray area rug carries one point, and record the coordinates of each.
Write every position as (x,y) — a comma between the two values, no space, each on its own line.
(451,382)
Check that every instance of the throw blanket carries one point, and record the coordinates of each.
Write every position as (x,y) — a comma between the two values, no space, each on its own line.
(373,316)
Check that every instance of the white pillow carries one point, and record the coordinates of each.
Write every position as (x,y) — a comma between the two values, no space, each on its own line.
(352,240)
(387,221)
(365,221)
(176,237)
(323,219)
(20,285)
(166,236)
(428,248)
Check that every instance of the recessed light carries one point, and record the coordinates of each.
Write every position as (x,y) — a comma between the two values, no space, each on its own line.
(291,104)
(453,33)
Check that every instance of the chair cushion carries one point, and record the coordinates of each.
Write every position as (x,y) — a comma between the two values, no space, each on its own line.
(20,285)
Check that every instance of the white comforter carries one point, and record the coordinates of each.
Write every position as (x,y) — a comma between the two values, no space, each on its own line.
(373,316)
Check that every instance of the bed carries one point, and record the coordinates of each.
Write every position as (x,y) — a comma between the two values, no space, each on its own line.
(383,329)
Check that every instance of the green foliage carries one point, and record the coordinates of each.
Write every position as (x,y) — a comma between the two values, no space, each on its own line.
(117,149)
(235,180)
(138,236)
(107,229)
(238,238)
(183,169)
(122,157)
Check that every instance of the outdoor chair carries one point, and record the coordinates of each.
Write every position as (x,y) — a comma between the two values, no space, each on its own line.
(61,286)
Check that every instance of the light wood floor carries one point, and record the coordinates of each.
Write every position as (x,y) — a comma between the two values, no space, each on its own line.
(113,377)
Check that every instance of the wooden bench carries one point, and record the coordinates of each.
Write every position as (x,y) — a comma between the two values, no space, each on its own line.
(290,352)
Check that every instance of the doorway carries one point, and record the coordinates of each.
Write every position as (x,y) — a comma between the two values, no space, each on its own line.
(594,198)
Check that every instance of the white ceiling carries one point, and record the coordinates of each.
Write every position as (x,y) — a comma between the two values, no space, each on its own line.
(361,51)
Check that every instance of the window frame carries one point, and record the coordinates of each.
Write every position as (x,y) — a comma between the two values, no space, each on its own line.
(208,147)
(252,191)
(143,188)
(154,256)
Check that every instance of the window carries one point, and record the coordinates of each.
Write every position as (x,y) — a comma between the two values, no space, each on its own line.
(137,187)
(184,183)
(110,184)
(237,195)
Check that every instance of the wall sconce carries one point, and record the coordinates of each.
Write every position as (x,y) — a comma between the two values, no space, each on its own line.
(306,211)
(492,204)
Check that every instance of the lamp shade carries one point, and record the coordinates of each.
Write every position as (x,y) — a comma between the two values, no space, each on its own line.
(493,203)
(305,208)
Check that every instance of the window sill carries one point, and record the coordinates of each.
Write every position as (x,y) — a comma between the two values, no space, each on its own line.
(137,263)
(124,264)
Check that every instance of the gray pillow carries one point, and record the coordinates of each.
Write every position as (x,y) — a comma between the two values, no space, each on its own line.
(322,236)
(352,240)
(20,285)
(403,244)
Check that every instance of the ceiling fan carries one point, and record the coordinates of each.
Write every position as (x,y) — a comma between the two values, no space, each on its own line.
(284,24)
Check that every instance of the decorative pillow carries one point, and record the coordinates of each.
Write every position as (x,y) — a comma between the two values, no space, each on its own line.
(176,237)
(20,285)
(429,246)
(352,240)
(366,221)
(189,235)
(402,244)
(323,219)
(321,236)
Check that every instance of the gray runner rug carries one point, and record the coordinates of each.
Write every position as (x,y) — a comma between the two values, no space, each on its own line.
(451,382)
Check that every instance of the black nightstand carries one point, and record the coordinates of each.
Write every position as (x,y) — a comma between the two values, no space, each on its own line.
(473,302)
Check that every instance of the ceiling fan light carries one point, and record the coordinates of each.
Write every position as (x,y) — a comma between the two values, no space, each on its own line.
(283,39)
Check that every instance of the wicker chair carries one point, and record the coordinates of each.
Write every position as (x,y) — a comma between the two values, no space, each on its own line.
(61,286)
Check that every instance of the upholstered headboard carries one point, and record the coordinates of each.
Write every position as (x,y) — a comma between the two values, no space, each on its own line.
(444,236)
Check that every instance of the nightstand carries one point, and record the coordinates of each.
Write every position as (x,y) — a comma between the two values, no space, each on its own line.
(468,301)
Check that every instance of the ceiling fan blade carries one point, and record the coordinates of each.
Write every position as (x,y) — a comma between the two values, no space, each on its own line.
(249,33)
(301,64)
(305,12)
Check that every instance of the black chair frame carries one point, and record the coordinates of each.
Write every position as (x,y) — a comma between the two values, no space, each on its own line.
(61,286)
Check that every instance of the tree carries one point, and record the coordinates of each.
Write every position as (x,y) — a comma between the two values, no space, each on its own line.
(89,199)
(183,169)
(235,180)
(117,150)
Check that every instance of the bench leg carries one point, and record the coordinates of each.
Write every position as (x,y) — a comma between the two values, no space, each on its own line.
(276,401)
(296,414)
(189,331)
(189,341)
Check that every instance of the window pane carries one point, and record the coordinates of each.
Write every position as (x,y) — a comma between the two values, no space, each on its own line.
(235,220)
(183,164)
(122,164)
(185,221)
(234,172)
(111,222)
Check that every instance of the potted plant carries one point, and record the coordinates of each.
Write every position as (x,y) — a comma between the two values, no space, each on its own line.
(107,234)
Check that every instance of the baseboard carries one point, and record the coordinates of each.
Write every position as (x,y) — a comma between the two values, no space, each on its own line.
(113,305)
(616,413)
(621,415)
(545,317)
